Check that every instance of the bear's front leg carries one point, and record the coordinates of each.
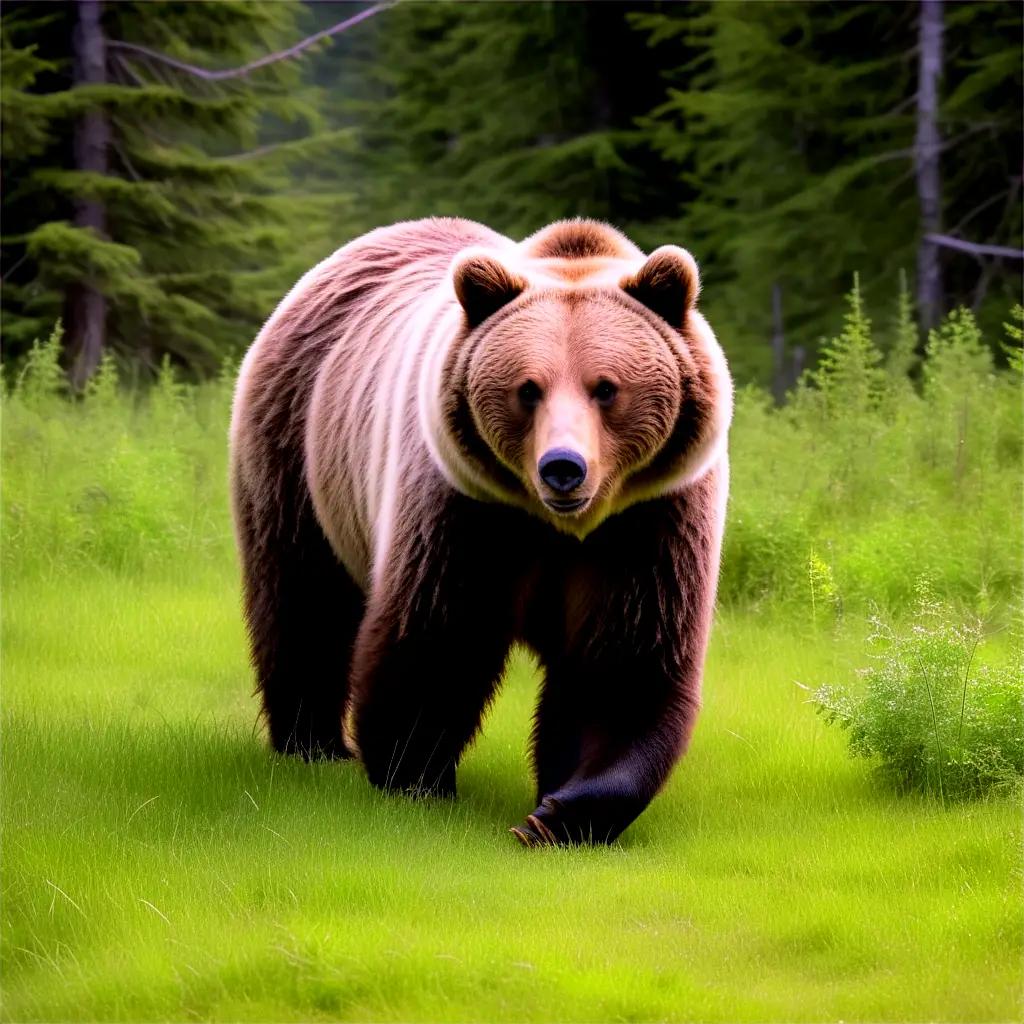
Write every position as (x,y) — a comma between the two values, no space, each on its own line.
(432,647)
(419,694)
(623,650)
(606,740)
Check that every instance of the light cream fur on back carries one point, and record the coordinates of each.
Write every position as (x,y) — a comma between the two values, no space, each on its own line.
(384,312)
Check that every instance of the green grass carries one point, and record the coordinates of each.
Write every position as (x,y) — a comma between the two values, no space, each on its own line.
(160,864)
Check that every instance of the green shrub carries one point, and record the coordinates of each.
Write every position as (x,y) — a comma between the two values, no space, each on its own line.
(929,713)
(880,479)
(873,478)
(119,480)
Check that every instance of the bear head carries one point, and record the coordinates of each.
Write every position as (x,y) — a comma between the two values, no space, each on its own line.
(579,378)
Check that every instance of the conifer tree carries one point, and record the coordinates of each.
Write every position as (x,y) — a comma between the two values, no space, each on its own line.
(775,140)
(169,225)
(793,125)
(900,358)
(849,376)
(514,114)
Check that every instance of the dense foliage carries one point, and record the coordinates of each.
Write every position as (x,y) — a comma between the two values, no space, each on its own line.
(199,203)
(842,499)
(127,482)
(793,126)
(507,113)
(930,713)
(876,481)
(774,139)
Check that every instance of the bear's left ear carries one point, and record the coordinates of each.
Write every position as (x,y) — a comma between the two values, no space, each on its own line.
(483,285)
(667,284)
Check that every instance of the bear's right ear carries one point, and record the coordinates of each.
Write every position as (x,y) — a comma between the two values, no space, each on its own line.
(667,284)
(483,285)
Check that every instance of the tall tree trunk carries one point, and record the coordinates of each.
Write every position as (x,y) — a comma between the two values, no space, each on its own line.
(85,313)
(779,369)
(927,145)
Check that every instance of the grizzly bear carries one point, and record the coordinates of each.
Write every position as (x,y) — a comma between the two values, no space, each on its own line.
(443,443)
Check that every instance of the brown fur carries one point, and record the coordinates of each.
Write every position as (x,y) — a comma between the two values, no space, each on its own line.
(393,526)
(578,240)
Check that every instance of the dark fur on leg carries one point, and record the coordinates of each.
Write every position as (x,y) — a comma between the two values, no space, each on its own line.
(302,611)
(419,700)
(623,757)
(623,651)
(431,650)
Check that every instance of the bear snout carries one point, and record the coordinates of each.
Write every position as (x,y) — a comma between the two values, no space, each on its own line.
(563,470)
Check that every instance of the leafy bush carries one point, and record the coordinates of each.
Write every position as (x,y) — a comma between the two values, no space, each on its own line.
(933,717)
(120,480)
(878,479)
(860,484)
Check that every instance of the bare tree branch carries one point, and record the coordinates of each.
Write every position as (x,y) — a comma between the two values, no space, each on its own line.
(135,176)
(14,266)
(903,154)
(251,154)
(981,288)
(275,147)
(904,104)
(270,58)
(975,248)
(125,68)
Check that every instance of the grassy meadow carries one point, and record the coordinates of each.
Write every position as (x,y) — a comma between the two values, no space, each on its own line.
(159,863)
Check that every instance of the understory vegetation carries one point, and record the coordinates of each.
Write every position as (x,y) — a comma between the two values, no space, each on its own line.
(161,864)
(883,468)
(931,716)
(777,141)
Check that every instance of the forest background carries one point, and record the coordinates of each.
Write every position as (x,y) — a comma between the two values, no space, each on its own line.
(171,169)
(849,177)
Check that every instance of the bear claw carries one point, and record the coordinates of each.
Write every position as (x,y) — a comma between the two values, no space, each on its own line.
(525,838)
(534,833)
(538,826)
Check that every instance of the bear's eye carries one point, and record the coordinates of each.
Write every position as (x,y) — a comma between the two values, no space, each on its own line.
(605,392)
(529,395)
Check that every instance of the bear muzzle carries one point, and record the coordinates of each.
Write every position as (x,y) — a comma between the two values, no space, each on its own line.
(563,471)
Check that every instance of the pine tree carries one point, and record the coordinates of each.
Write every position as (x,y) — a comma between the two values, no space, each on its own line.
(514,114)
(849,376)
(793,126)
(900,358)
(169,226)
(958,383)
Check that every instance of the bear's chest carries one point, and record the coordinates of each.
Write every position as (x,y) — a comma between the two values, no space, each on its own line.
(560,590)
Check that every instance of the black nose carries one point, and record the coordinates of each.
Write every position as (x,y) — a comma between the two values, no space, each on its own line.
(562,469)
